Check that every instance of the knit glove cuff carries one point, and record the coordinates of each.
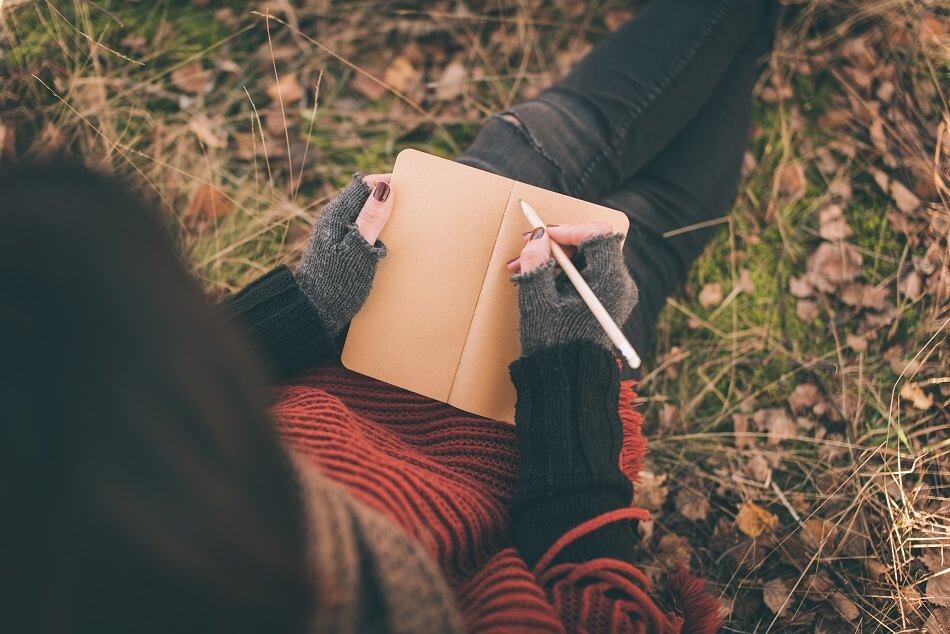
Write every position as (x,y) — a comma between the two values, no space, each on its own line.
(552,313)
(336,271)
(567,424)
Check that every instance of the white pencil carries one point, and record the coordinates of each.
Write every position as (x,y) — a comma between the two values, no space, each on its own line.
(603,317)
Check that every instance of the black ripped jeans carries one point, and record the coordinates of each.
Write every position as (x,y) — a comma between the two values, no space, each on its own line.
(654,122)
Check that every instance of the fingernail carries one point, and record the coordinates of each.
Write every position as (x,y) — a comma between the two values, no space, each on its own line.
(537,234)
(512,259)
(381,191)
(526,233)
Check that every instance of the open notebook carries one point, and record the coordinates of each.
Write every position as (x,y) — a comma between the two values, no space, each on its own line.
(442,318)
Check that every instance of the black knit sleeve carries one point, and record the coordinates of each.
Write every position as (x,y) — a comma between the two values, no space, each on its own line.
(280,323)
(569,439)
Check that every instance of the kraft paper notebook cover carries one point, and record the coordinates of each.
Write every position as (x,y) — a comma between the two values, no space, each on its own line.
(442,318)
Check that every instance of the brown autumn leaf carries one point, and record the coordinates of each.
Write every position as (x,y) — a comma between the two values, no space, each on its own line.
(905,199)
(191,78)
(776,596)
(859,52)
(757,468)
(804,397)
(856,342)
(806,310)
(776,422)
(832,225)
(401,74)
(844,606)
(938,589)
(616,18)
(836,118)
(938,622)
(672,550)
(209,133)
(669,419)
(286,89)
(832,264)
(933,29)
(913,393)
(691,505)
(710,295)
(208,202)
(650,494)
(740,423)
(452,81)
(911,286)
(790,178)
(753,520)
(816,587)
(799,287)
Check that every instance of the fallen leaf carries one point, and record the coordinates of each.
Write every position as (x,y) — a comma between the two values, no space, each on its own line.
(452,82)
(650,494)
(844,606)
(368,86)
(932,29)
(920,399)
(669,419)
(753,520)
(905,199)
(740,424)
(191,78)
(776,595)
(856,342)
(859,52)
(938,622)
(672,550)
(816,587)
(691,505)
(911,286)
(757,467)
(832,264)
(841,187)
(745,283)
(616,18)
(804,397)
(806,311)
(287,90)
(710,295)
(874,297)
(401,74)
(938,589)
(832,225)
(207,132)
(208,202)
(885,91)
(791,180)
(799,287)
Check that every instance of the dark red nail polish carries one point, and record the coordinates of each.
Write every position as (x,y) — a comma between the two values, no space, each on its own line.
(537,234)
(512,259)
(526,233)
(381,191)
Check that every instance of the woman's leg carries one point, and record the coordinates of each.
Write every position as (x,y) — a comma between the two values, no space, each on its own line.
(674,202)
(624,102)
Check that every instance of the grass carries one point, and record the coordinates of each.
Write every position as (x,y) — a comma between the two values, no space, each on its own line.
(97,80)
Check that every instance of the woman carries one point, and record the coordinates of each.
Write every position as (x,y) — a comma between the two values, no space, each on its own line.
(146,489)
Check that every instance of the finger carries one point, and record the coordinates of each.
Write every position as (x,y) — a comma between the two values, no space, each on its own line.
(575,234)
(536,252)
(372,179)
(376,211)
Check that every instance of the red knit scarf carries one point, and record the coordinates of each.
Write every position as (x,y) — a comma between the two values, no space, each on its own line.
(447,477)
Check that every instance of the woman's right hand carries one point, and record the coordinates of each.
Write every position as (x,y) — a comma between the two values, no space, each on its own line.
(551,312)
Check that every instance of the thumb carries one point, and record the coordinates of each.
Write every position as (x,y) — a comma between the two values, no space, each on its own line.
(376,211)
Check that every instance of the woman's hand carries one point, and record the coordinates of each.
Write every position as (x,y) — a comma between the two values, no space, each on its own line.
(551,311)
(336,271)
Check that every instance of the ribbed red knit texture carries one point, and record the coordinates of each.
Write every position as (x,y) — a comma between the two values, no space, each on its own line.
(446,477)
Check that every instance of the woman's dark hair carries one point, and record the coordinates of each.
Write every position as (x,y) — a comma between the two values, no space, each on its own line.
(142,486)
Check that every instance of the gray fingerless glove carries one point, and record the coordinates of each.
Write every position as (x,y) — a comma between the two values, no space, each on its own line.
(338,267)
(553,314)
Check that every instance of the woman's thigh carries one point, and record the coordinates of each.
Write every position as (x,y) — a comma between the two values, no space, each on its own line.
(623,103)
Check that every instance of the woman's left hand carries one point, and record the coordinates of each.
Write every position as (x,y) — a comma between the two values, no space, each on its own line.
(336,271)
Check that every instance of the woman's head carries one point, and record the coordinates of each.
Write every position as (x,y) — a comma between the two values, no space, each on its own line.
(142,486)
